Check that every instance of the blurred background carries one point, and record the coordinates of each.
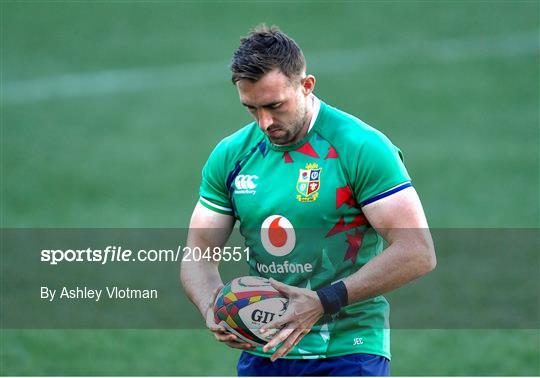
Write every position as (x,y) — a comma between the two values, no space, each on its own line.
(110,109)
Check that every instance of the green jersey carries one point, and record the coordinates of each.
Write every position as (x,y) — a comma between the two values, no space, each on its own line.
(300,212)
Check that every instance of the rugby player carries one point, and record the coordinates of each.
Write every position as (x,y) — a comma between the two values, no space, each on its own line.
(316,192)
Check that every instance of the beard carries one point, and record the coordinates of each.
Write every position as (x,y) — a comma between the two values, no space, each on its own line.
(291,133)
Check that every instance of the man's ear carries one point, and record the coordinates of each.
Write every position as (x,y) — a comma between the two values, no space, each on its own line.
(308,84)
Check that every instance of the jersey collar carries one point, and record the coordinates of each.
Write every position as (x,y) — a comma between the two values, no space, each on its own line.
(316,108)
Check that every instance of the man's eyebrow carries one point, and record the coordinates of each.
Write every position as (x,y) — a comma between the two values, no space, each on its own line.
(269,105)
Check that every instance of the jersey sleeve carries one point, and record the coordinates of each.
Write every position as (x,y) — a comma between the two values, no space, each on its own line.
(213,190)
(379,170)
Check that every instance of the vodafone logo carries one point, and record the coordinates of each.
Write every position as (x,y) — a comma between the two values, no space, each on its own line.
(277,235)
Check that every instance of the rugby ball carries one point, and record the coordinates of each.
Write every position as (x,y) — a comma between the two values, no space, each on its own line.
(246,304)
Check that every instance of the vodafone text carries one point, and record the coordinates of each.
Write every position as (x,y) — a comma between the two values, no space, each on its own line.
(286,267)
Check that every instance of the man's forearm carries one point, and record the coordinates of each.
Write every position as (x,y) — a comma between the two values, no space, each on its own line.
(200,280)
(400,263)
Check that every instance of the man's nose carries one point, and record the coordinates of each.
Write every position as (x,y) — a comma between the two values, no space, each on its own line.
(264,118)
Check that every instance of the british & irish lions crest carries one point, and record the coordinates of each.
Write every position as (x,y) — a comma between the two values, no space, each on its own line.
(309,182)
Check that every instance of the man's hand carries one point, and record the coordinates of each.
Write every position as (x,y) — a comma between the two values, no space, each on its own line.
(201,279)
(303,312)
(220,333)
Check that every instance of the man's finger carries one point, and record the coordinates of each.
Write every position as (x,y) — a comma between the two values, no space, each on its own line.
(288,344)
(236,345)
(281,287)
(216,327)
(276,324)
(279,338)
(233,341)
(218,288)
(214,297)
(225,337)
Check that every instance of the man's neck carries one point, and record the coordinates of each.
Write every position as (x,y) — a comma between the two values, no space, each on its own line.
(308,123)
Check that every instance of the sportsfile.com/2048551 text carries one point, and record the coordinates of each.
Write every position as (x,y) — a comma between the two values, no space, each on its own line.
(119,254)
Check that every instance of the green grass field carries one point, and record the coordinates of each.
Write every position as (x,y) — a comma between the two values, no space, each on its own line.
(109,110)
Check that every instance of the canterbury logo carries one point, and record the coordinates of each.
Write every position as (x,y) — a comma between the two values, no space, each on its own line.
(245,182)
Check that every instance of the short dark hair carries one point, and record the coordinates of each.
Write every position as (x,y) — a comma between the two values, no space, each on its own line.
(263,50)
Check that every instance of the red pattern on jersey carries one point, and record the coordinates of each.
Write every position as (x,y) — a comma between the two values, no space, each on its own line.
(355,242)
(307,149)
(287,157)
(332,154)
(345,195)
(341,226)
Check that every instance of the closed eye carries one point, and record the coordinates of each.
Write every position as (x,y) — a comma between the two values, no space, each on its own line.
(275,106)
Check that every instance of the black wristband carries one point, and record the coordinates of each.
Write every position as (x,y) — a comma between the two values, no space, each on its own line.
(333,297)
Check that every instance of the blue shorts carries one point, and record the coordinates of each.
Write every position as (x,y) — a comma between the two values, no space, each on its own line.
(357,365)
